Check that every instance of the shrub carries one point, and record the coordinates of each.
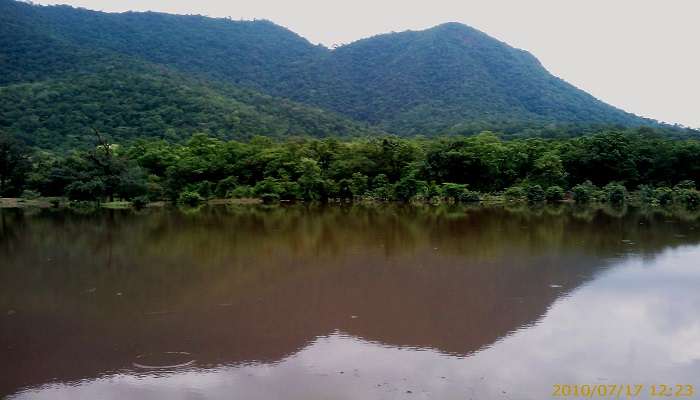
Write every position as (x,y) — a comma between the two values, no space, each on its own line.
(240,192)
(688,197)
(381,188)
(687,184)
(154,188)
(30,195)
(85,190)
(224,186)
(132,182)
(432,191)
(292,191)
(554,194)
(514,193)
(599,196)
(615,193)
(453,191)
(358,184)
(268,188)
(139,202)
(268,198)
(407,188)
(664,195)
(583,193)
(646,194)
(190,198)
(205,189)
(469,196)
(535,194)
(344,190)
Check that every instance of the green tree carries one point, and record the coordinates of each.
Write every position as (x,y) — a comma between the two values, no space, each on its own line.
(583,193)
(14,166)
(549,170)
(311,183)
(358,184)
(615,193)
(381,188)
(268,189)
(190,198)
(407,188)
(535,194)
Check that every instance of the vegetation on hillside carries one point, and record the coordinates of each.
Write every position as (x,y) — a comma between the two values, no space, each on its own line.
(450,79)
(151,106)
(140,101)
(64,39)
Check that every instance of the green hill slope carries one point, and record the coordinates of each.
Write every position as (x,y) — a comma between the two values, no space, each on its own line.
(243,52)
(128,101)
(448,79)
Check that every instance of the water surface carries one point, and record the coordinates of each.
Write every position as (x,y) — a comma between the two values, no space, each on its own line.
(382,302)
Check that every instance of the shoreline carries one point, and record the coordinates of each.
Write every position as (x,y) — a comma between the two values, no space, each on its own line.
(60,203)
(48,202)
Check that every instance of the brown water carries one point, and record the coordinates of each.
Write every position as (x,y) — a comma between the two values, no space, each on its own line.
(296,302)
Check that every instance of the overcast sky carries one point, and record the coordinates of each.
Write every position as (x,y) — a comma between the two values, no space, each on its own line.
(639,55)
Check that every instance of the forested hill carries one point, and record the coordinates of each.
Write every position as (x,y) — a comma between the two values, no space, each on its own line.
(451,78)
(129,101)
(62,75)
(64,71)
(243,52)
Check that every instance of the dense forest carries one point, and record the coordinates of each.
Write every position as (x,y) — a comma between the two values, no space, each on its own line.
(148,106)
(64,71)
(602,167)
(143,101)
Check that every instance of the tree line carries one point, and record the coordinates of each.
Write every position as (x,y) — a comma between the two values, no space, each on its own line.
(609,166)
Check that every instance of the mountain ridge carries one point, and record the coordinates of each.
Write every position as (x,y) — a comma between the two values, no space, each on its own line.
(448,79)
(441,45)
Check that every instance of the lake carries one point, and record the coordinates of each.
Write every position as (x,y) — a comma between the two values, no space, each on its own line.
(345,302)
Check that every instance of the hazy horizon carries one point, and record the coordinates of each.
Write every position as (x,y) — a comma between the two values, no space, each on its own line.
(635,55)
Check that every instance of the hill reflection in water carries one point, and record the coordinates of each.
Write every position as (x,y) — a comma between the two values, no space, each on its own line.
(290,296)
